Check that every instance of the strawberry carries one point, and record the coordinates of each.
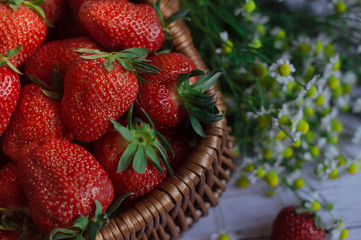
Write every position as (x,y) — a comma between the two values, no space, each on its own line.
(11,193)
(8,235)
(99,88)
(62,182)
(53,10)
(75,6)
(20,26)
(174,93)
(9,88)
(138,143)
(119,24)
(41,63)
(181,148)
(290,225)
(36,117)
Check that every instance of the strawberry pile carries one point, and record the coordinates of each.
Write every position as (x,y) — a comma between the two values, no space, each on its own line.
(93,111)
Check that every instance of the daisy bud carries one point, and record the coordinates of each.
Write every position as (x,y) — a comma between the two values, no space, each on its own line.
(272,178)
(267,153)
(250,6)
(340,7)
(297,144)
(283,121)
(336,125)
(337,92)
(329,50)
(248,168)
(333,174)
(314,150)
(243,182)
(260,173)
(347,88)
(259,70)
(288,152)
(284,70)
(316,205)
(310,137)
(309,111)
(333,82)
(353,168)
(344,233)
(227,47)
(319,47)
(299,183)
(281,136)
(319,100)
(337,65)
(261,29)
(332,140)
(223,236)
(311,92)
(303,126)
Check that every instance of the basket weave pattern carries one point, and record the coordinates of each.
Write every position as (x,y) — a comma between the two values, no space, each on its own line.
(178,202)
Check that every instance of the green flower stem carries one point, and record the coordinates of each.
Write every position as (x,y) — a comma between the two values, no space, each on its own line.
(260,92)
(299,83)
(289,135)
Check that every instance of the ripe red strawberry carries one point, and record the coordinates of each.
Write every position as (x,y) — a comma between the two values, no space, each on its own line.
(99,90)
(181,148)
(169,99)
(41,63)
(54,10)
(22,27)
(137,143)
(62,181)
(290,225)
(119,24)
(36,117)
(8,235)
(11,193)
(9,89)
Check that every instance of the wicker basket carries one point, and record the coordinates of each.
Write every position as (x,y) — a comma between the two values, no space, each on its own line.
(178,202)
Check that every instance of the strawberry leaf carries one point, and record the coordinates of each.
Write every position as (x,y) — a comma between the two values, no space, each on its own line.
(185,76)
(11,53)
(207,80)
(196,125)
(140,160)
(181,14)
(133,53)
(153,158)
(81,222)
(115,205)
(123,131)
(127,157)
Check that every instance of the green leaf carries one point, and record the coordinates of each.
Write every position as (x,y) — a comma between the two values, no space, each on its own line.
(37,9)
(86,50)
(98,209)
(109,64)
(51,94)
(127,157)
(185,76)
(318,222)
(92,230)
(129,117)
(164,157)
(154,158)
(204,116)
(125,132)
(13,67)
(95,56)
(196,125)
(303,210)
(11,53)
(37,81)
(63,233)
(177,15)
(57,80)
(133,53)
(140,160)
(165,143)
(142,67)
(116,204)
(127,65)
(209,80)
(81,223)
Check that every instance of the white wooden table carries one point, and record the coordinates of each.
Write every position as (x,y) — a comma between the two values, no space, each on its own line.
(250,213)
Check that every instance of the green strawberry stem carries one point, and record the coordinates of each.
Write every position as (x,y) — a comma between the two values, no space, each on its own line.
(4,58)
(145,142)
(132,59)
(200,106)
(90,227)
(181,14)
(56,88)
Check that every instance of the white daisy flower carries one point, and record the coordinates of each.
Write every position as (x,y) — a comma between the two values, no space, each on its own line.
(257,18)
(304,91)
(356,107)
(356,139)
(216,236)
(227,44)
(297,118)
(331,152)
(281,70)
(321,142)
(261,112)
(303,44)
(350,78)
